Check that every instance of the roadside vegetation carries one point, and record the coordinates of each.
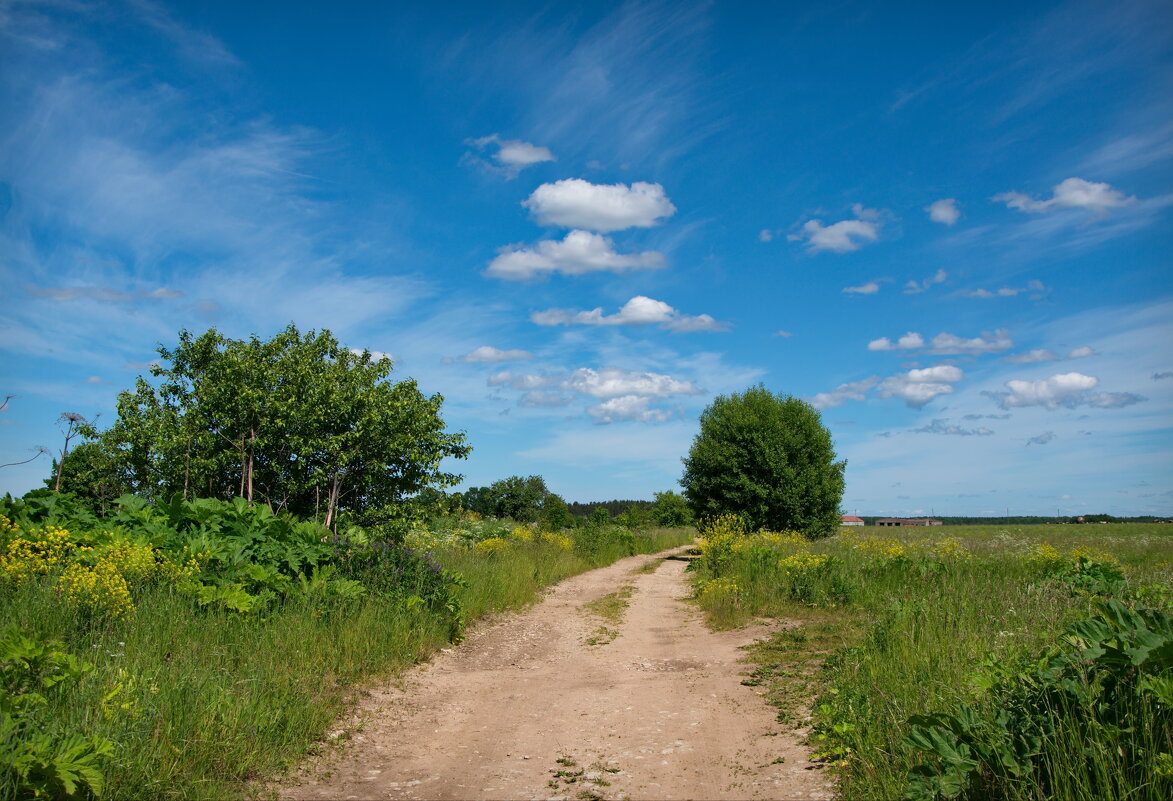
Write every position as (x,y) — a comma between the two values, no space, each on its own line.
(181,650)
(1026,662)
(193,598)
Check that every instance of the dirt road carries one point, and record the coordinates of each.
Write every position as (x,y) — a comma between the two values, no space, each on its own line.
(545,704)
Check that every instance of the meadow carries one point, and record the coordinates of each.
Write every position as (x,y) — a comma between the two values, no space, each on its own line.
(189,649)
(1020,662)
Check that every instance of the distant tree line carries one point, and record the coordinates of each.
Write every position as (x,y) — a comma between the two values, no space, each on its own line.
(613,507)
(1025,520)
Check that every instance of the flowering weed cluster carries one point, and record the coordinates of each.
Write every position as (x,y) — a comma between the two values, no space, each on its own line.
(493,545)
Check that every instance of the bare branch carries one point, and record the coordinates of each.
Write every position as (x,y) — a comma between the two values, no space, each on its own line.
(41,451)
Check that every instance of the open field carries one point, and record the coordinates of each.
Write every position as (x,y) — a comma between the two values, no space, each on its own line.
(943,660)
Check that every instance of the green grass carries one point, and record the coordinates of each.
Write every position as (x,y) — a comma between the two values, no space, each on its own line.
(610,608)
(884,637)
(202,703)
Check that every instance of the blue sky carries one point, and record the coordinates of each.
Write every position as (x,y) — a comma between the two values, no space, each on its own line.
(947,226)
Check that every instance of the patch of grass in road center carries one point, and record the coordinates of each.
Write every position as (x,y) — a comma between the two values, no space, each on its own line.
(650,566)
(610,608)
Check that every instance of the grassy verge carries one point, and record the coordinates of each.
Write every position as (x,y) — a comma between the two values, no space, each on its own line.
(1015,663)
(197,700)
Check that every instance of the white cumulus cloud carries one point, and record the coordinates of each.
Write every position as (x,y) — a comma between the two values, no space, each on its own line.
(1072,193)
(870,288)
(950,344)
(917,387)
(512,155)
(640,310)
(843,236)
(628,407)
(1063,389)
(580,252)
(575,203)
(611,382)
(910,341)
(944,211)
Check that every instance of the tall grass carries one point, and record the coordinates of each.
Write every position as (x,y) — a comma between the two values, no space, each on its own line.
(199,701)
(936,621)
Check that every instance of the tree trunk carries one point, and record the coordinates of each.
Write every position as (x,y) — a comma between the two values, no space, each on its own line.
(332,500)
(243,468)
(251,455)
(187,468)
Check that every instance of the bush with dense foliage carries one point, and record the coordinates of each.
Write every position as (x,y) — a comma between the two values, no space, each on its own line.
(767,458)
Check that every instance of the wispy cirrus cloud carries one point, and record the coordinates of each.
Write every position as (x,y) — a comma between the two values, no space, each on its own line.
(852,390)
(626,89)
(102,294)
(1035,287)
(1043,355)
(916,287)
(487,353)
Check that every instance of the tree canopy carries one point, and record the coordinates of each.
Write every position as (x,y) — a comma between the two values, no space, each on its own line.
(522,498)
(767,458)
(297,421)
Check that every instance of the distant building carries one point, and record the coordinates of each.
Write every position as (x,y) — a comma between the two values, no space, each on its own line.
(850,520)
(907,521)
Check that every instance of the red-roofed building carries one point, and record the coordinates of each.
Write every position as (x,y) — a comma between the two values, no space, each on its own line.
(850,520)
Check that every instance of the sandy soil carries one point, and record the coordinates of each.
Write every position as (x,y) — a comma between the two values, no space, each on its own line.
(526,708)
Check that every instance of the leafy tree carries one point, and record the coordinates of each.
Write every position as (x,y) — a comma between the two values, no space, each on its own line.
(635,516)
(297,421)
(556,514)
(671,510)
(768,458)
(93,474)
(599,517)
(520,498)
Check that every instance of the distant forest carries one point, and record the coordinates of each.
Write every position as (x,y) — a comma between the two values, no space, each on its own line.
(1023,520)
(616,507)
(613,507)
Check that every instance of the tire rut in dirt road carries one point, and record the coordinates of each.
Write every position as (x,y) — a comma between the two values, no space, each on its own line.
(528,708)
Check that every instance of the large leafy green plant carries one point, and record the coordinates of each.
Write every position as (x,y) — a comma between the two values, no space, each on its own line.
(36,759)
(1114,674)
